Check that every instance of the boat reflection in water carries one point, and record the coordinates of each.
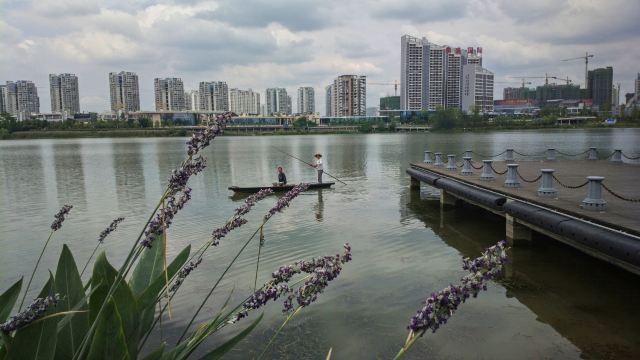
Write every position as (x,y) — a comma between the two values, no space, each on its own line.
(589,302)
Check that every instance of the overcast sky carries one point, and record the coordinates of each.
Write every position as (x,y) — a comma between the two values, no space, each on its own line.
(291,43)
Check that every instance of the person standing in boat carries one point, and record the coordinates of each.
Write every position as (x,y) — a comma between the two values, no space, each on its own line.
(282,178)
(319,166)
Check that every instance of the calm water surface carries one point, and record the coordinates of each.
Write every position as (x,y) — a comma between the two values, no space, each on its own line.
(553,303)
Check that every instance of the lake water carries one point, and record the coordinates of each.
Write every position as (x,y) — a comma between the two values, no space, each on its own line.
(553,303)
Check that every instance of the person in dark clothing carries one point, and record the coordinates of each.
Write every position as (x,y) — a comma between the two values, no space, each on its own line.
(282,178)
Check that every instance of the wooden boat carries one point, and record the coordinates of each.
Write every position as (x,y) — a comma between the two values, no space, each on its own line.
(249,190)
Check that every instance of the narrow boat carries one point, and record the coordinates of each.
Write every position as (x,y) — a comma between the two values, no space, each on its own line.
(283,188)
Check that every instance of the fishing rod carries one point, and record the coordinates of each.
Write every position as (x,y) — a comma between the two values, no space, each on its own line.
(297,158)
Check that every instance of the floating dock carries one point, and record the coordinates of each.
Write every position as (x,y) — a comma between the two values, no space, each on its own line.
(602,225)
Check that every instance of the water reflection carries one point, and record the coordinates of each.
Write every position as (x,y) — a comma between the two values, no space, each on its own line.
(70,174)
(129,175)
(318,207)
(588,301)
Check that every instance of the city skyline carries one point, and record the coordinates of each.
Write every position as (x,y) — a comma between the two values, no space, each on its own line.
(283,44)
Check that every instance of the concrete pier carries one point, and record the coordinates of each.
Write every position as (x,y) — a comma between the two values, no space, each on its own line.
(612,234)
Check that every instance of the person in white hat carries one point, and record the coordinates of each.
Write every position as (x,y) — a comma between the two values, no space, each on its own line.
(319,167)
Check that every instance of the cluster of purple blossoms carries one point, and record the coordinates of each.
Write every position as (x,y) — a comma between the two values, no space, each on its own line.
(59,217)
(34,311)
(439,307)
(111,228)
(221,232)
(251,201)
(284,201)
(202,138)
(183,273)
(322,271)
(180,177)
(165,216)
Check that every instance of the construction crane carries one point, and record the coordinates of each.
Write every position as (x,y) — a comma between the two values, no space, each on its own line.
(523,78)
(513,82)
(586,65)
(562,79)
(394,83)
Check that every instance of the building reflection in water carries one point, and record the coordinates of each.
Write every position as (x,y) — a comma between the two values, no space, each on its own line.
(69,171)
(589,302)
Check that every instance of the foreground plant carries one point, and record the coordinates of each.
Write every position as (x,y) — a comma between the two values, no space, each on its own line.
(439,307)
(113,314)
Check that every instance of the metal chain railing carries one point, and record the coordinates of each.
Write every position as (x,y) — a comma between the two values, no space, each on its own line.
(569,186)
(618,195)
(477,168)
(498,172)
(488,156)
(566,154)
(631,157)
(461,165)
(534,154)
(527,180)
(610,155)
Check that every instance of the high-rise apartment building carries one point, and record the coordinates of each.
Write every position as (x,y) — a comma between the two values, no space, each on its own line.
(390,103)
(65,95)
(3,99)
(22,99)
(637,87)
(600,86)
(277,101)
(431,74)
(125,91)
(244,102)
(192,100)
(328,99)
(288,106)
(349,96)
(413,70)
(306,100)
(477,88)
(214,96)
(169,94)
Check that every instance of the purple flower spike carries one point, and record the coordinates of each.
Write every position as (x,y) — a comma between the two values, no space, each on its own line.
(33,312)
(59,217)
(284,201)
(202,138)
(438,308)
(251,201)
(112,227)
(219,233)
(183,273)
(165,216)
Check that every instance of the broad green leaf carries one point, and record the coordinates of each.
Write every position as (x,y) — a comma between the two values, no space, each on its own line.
(105,275)
(109,341)
(149,266)
(155,354)
(37,340)
(8,300)
(218,352)
(150,294)
(173,353)
(5,343)
(69,285)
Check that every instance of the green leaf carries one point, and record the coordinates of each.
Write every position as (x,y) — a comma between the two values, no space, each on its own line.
(109,341)
(69,285)
(37,340)
(149,266)
(8,300)
(104,275)
(218,352)
(155,354)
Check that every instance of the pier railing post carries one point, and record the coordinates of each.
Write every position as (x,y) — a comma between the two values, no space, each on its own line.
(551,154)
(592,154)
(594,200)
(512,176)
(616,157)
(438,161)
(451,164)
(508,156)
(466,167)
(427,157)
(546,188)
(487,173)
(468,153)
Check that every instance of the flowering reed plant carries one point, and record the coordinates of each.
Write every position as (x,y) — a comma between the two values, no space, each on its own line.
(439,307)
(112,313)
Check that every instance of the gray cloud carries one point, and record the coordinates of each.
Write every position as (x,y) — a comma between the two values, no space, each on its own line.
(419,11)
